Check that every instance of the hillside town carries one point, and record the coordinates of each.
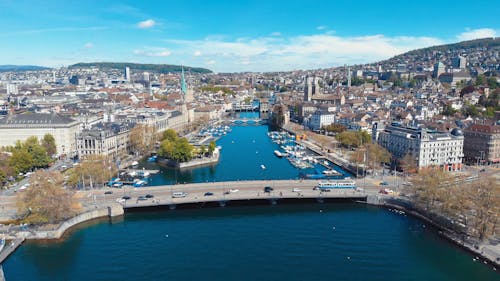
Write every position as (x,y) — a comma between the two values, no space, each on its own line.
(439,106)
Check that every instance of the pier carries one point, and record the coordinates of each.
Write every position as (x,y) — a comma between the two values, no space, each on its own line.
(9,248)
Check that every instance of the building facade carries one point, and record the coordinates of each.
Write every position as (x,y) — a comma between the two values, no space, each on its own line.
(103,139)
(22,126)
(482,143)
(429,148)
(319,119)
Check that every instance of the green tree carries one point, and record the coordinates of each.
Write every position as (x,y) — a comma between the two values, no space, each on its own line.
(211,147)
(448,110)
(203,149)
(49,143)
(335,128)
(492,82)
(169,135)
(21,161)
(480,80)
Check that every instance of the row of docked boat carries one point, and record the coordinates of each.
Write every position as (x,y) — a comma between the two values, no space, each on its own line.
(281,137)
(215,131)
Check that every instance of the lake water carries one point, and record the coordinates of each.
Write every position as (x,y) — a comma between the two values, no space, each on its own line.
(282,242)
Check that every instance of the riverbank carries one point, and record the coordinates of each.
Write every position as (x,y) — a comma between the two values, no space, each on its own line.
(484,252)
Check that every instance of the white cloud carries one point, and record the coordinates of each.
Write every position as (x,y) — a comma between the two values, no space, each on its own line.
(276,33)
(88,45)
(299,52)
(321,27)
(471,34)
(197,53)
(146,24)
(210,62)
(153,52)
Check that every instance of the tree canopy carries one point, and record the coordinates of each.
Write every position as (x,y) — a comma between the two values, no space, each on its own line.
(45,200)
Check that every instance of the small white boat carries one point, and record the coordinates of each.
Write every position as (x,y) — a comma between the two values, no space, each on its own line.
(262,167)
(135,163)
(2,244)
(330,172)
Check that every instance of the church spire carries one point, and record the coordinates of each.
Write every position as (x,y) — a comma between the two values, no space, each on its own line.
(183,83)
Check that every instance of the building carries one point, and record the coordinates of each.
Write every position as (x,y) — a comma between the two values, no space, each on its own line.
(311,88)
(127,74)
(320,118)
(439,69)
(430,148)
(459,62)
(482,143)
(103,139)
(22,126)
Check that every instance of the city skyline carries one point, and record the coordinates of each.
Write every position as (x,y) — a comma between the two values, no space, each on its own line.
(233,37)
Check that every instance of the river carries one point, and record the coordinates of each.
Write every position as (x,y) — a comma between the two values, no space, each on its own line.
(342,241)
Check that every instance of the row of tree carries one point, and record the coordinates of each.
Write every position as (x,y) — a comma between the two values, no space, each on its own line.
(26,156)
(353,139)
(473,204)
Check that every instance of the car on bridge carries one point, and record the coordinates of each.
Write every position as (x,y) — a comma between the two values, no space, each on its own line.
(208,194)
(142,198)
(126,197)
(268,189)
(179,194)
(233,190)
(149,196)
(108,192)
(384,183)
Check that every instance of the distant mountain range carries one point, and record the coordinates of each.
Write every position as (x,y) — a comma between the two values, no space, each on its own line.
(161,68)
(10,67)
(489,43)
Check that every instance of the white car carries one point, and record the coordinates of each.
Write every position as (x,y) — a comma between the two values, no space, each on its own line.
(234,190)
(296,189)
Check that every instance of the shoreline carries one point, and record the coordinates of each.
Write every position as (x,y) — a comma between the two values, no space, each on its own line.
(381,202)
(448,235)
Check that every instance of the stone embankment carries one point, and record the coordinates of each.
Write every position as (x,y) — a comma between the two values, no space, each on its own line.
(486,251)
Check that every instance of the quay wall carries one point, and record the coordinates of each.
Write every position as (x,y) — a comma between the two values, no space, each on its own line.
(109,211)
(479,249)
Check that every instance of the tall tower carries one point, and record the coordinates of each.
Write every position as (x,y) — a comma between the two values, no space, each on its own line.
(186,91)
(308,91)
(127,73)
(348,77)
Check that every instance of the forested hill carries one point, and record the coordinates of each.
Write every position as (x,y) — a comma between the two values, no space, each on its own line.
(160,68)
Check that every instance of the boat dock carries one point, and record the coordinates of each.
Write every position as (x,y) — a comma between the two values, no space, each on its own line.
(10,247)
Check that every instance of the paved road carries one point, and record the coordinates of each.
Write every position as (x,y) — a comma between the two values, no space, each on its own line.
(221,191)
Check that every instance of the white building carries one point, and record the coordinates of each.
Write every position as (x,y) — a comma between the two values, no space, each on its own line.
(22,126)
(428,147)
(111,140)
(320,118)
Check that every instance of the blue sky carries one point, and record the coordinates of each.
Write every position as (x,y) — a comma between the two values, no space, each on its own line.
(228,36)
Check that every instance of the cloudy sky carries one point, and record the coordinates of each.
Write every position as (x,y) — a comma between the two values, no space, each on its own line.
(233,36)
